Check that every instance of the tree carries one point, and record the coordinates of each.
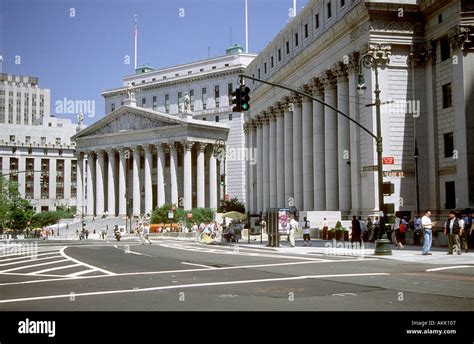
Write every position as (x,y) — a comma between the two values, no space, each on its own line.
(15,212)
(202,215)
(160,215)
(233,205)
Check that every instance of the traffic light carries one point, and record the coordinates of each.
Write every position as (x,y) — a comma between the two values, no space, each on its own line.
(388,189)
(223,179)
(245,98)
(236,101)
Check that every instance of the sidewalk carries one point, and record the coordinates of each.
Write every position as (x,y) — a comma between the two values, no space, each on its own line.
(332,248)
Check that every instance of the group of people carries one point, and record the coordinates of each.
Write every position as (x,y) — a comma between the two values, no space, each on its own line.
(363,231)
(83,233)
(142,231)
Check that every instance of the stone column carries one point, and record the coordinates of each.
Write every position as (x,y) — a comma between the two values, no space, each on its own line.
(174,173)
(249,166)
(343,139)
(90,183)
(100,174)
(288,152)
(111,196)
(52,179)
(136,181)
(79,183)
(280,156)
(22,176)
(266,163)
(297,161)
(124,155)
(330,144)
(319,178)
(201,176)
(148,180)
(187,176)
(212,182)
(67,179)
(356,191)
(307,130)
(259,182)
(272,161)
(37,176)
(160,175)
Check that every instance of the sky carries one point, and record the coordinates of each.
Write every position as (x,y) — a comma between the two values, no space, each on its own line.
(78,48)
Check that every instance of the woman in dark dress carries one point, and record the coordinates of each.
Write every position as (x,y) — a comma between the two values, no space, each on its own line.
(355,231)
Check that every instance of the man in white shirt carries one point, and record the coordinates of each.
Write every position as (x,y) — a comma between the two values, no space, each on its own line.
(427,232)
(306,232)
(325,228)
(293,226)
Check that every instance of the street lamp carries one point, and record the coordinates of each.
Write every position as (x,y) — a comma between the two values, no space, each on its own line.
(415,156)
(382,246)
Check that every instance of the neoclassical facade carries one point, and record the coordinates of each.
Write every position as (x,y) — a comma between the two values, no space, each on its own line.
(136,159)
(310,157)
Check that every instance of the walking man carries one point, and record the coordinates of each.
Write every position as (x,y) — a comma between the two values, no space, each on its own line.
(306,232)
(427,232)
(293,226)
(355,236)
(146,234)
(452,228)
(325,228)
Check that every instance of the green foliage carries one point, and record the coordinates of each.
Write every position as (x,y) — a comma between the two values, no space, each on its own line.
(338,227)
(15,212)
(233,205)
(201,215)
(160,215)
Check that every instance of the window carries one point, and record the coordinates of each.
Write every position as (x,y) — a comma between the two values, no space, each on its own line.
(258,73)
(204,119)
(328,6)
(180,101)
(154,103)
(217,95)
(440,18)
(191,99)
(190,72)
(343,3)
(271,62)
(167,103)
(450,190)
(230,90)
(447,96)
(164,77)
(217,118)
(204,98)
(43,140)
(253,81)
(27,139)
(12,138)
(58,140)
(265,68)
(176,75)
(296,39)
(214,67)
(279,55)
(448,140)
(201,70)
(112,107)
(445,48)
(230,117)
(287,47)
(143,102)
(305,30)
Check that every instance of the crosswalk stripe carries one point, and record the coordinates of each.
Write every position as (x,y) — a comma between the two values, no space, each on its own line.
(34,265)
(54,269)
(28,259)
(29,256)
(83,272)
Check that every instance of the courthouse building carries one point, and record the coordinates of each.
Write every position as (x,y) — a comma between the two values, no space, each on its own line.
(311,157)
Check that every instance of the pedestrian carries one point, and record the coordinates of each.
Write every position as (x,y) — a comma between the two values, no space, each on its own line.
(370,229)
(427,232)
(355,235)
(306,232)
(417,229)
(146,233)
(293,227)
(463,233)
(87,233)
(376,228)
(325,228)
(467,231)
(452,229)
(363,230)
(396,230)
(402,233)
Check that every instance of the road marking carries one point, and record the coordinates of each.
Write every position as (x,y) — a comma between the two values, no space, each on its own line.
(195,285)
(201,265)
(83,272)
(32,256)
(344,294)
(28,259)
(132,252)
(33,265)
(451,267)
(190,270)
(53,269)
(29,252)
(85,264)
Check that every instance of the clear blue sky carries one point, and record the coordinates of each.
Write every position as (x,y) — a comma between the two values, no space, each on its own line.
(78,57)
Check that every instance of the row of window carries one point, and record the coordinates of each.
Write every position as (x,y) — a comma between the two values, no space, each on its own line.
(296,38)
(180,97)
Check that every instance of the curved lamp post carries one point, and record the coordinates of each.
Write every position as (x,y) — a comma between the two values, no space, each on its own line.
(382,246)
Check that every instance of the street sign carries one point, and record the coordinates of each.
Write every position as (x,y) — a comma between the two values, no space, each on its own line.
(388,160)
(189,215)
(170,215)
(227,198)
(394,173)
(369,168)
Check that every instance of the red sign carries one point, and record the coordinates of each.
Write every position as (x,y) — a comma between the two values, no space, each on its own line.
(227,198)
(388,160)
(189,215)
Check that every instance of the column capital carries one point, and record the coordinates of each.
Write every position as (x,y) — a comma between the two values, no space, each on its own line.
(296,99)
(279,109)
(341,71)
(271,113)
(381,52)
(110,151)
(202,147)
(101,153)
(264,118)
(317,86)
(258,122)
(187,145)
(91,154)
(353,63)
(246,128)
(329,80)
(79,155)
(148,147)
(307,89)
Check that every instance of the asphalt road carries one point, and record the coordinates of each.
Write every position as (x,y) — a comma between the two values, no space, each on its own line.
(170,275)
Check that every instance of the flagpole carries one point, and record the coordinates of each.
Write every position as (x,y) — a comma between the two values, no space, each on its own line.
(246,28)
(136,41)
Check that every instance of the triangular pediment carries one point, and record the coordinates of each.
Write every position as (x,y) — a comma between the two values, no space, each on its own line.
(127,119)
